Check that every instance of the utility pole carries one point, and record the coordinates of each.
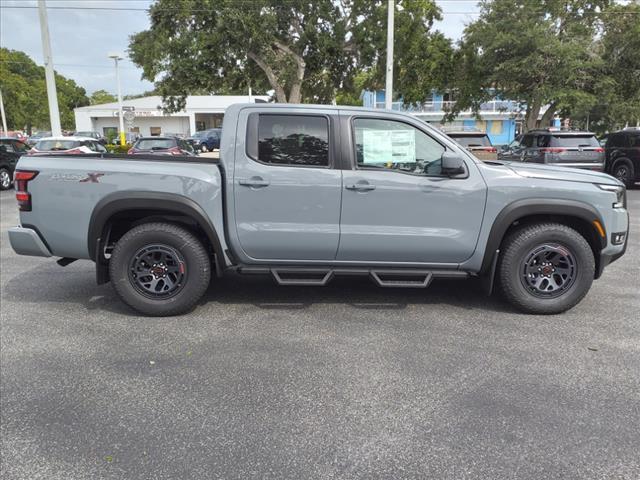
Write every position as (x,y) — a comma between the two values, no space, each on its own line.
(4,117)
(116,57)
(388,91)
(54,113)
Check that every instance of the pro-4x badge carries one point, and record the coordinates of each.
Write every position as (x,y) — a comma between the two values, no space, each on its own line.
(92,178)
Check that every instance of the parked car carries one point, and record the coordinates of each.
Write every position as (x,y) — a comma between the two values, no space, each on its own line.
(556,147)
(68,145)
(11,149)
(623,155)
(34,138)
(476,142)
(206,140)
(161,146)
(14,145)
(18,135)
(95,135)
(305,193)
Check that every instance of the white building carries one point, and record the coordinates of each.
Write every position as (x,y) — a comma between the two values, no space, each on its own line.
(201,112)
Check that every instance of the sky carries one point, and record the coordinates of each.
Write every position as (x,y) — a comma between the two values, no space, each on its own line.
(83,36)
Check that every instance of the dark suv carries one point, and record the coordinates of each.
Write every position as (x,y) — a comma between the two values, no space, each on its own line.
(623,155)
(556,147)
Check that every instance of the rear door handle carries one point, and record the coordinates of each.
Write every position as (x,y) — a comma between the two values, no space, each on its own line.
(361,187)
(254,182)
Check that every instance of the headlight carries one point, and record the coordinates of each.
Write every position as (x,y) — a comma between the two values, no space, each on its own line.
(621,194)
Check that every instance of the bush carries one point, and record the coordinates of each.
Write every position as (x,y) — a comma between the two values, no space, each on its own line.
(118,148)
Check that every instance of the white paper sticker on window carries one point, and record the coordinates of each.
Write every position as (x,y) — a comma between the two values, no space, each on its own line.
(380,147)
(404,146)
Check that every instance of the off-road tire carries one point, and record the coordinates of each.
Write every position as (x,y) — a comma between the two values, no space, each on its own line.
(196,268)
(629,176)
(517,247)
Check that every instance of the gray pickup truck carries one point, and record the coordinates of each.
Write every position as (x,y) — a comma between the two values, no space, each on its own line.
(305,193)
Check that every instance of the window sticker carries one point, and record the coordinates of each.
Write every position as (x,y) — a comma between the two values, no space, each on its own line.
(382,147)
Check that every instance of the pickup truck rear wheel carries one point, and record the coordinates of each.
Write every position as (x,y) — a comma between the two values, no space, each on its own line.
(160,269)
(545,268)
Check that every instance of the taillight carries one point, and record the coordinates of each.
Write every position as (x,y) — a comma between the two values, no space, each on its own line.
(553,150)
(490,149)
(174,151)
(131,151)
(74,151)
(598,150)
(21,178)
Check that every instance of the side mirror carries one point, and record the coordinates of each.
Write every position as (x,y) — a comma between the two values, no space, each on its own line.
(452,164)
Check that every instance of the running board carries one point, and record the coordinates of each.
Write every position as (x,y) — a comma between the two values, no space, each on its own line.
(321,276)
(399,279)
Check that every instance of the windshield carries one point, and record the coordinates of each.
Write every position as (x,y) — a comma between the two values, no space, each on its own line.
(473,140)
(574,141)
(155,143)
(55,145)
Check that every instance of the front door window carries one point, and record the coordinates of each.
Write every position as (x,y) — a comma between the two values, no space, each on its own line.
(391,145)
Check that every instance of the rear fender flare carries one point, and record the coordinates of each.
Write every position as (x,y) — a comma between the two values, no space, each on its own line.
(141,200)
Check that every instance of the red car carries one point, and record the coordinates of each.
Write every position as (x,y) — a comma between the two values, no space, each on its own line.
(161,146)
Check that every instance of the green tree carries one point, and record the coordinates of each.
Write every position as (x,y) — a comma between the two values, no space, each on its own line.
(302,50)
(621,55)
(25,94)
(536,52)
(102,96)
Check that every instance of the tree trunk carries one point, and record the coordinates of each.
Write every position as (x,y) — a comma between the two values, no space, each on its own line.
(531,117)
(281,96)
(548,115)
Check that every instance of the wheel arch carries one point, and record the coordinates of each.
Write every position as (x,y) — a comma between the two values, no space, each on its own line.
(577,215)
(143,206)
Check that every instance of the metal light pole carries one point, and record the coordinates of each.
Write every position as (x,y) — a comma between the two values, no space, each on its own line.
(388,91)
(4,117)
(54,113)
(116,57)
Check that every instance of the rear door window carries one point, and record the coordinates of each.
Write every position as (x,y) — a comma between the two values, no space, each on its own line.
(527,141)
(295,140)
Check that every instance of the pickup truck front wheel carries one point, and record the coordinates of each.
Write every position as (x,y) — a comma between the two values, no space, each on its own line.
(545,268)
(160,269)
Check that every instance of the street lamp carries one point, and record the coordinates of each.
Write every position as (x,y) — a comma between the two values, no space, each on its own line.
(116,57)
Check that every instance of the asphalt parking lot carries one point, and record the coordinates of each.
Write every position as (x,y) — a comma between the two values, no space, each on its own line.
(346,381)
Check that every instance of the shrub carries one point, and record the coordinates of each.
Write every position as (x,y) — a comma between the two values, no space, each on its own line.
(118,148)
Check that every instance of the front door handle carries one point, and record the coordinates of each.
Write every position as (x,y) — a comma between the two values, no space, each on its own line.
(362,186)
(254,182)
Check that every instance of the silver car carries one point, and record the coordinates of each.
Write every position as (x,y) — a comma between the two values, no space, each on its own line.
(556,147)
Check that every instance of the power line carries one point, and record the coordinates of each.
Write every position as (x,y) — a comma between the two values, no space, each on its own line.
(247,3)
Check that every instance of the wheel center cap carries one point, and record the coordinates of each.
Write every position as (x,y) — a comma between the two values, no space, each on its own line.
(547,270)
(158,271)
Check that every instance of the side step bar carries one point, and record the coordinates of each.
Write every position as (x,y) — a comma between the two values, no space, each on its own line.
(388,278)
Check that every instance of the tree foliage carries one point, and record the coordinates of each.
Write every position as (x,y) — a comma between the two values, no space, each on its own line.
(102,96)
(302,50)
(621,57)
(536,52)
(24,93)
